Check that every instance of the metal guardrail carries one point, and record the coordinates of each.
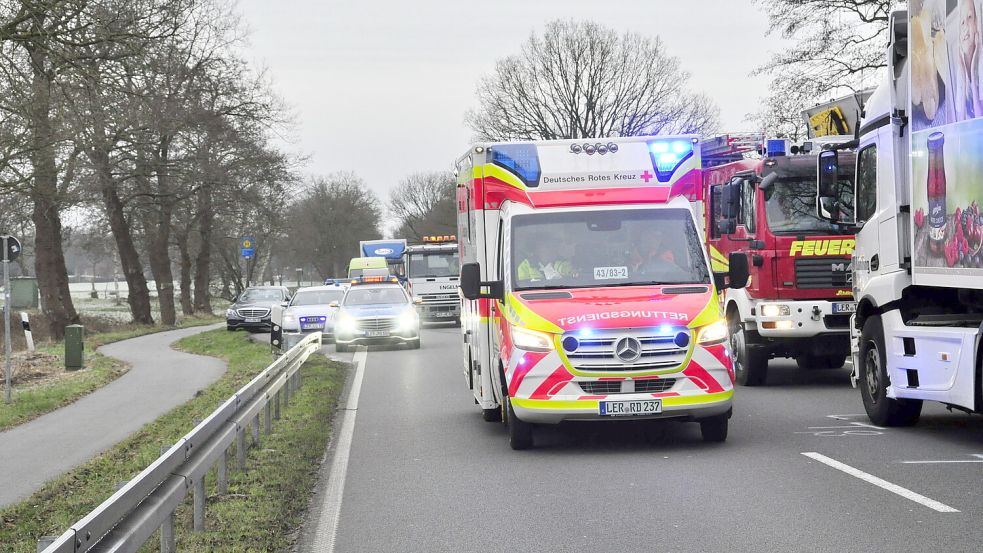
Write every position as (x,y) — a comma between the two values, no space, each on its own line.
(125,521)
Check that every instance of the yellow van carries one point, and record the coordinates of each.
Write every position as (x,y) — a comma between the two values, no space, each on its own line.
(367,266)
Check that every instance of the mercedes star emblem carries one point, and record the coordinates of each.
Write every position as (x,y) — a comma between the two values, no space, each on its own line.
(628,349)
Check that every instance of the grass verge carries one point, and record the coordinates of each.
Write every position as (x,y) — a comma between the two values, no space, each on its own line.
(60,387)
(265,504)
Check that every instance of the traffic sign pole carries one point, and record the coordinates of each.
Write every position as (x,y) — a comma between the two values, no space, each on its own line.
(6,319)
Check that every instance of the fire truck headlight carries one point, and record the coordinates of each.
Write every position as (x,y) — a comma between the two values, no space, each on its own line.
(775,310)
(714,333)
(531,340)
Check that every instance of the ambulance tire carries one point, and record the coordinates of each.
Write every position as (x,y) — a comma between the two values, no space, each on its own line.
(520,432)
(874,380)
(714,429)
(491,415)
(751,364)
(820,361)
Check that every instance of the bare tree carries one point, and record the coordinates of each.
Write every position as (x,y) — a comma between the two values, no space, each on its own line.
(780,117)
(838,48)
(425,204)
(582,80)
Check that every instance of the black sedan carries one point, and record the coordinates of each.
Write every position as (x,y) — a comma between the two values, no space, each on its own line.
(252,309)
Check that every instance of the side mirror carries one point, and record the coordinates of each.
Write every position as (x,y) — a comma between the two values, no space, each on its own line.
(418,301)
(727,226)
(738,271)
(828,171)
(831,194)
(730,200)
(471,284)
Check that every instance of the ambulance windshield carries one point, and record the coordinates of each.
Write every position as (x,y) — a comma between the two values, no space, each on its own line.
(790,205)
(587,249)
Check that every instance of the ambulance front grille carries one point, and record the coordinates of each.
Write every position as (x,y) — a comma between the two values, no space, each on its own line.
(647,386)
(658,351)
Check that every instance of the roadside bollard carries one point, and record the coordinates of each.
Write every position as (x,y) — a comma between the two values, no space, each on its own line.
(74,347)
(25,322)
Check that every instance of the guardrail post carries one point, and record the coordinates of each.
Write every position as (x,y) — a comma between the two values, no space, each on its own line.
(167,542)
(255,426)
(241,448)
(276,405)
(45,541)
(198,517)
(266,417)
(223,473)
(286,392)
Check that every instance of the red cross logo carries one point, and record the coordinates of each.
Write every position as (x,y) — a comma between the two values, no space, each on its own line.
(646,176)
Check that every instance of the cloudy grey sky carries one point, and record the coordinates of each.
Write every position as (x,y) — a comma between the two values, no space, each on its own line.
(380,87)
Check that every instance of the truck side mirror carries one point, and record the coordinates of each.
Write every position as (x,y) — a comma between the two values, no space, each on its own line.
(831,196)
(828,172)
(738,271)
(730,200)
(471,284)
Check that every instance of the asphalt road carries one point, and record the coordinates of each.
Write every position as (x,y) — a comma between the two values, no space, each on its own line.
(425,473)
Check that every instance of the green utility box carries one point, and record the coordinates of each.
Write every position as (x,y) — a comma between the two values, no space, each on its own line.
(74,347)
(24,292)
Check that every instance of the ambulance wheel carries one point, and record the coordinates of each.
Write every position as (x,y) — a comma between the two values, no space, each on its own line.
(520,432)
(491,415)
(750,363)
(874,380)
(714,429)
(820,361)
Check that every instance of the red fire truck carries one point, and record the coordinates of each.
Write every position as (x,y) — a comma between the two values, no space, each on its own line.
(799,300)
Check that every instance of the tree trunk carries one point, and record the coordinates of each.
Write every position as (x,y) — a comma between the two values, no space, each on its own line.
(160,237)
(49,258)
(187,304)
(206,216)
(139,294)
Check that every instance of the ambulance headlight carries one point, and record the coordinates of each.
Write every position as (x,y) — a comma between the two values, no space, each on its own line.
(713,333)
(775,310)
(531,340)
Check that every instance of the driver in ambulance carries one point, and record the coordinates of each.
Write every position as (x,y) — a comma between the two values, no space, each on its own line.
(541,262)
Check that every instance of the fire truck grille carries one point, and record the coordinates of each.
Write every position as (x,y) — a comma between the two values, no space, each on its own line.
(657,351)
(648,386)
(440,299)
(387,323)
(253,313)
(822,272)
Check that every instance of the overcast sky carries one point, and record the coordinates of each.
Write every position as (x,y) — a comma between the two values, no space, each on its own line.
(380,87)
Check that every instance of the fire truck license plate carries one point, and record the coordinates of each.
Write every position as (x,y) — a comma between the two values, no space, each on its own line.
(845,307)
(628,408)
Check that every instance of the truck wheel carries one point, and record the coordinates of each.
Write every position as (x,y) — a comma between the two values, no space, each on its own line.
(520,432)
(874,380)
(491,415)
(714,429)
(751,364)
(807,361)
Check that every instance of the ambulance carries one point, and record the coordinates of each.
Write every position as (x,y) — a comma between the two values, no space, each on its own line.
(587,288)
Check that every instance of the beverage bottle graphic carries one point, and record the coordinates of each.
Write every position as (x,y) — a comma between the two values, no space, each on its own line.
(936,194)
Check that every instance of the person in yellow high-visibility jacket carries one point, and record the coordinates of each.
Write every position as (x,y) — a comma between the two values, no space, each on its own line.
(538,266)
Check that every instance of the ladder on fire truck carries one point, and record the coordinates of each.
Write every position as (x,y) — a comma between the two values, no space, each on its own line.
(730,147)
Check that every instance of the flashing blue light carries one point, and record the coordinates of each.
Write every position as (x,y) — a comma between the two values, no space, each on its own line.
(775,148)
(521,160)
(585,332)
(668,155)
(665,329)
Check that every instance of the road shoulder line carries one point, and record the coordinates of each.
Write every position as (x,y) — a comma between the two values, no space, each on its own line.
(881,483)
(327,523)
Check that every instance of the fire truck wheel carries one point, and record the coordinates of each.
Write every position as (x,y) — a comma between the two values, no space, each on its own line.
(714,429)
(750,363)
(874,380)
(492,415)
(820,361)
(520,432)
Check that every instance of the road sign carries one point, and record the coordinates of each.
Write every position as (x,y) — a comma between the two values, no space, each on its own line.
(247,246)
(12,248)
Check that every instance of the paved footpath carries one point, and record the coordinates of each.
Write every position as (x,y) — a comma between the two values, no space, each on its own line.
(159,379)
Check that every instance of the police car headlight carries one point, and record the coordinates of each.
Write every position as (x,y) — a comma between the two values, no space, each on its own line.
(229,313)
(531,340)
(714,333)
(409,320)
(346,324)
(775,310)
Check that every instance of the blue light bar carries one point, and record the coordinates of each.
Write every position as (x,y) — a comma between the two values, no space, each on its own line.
(775,148)
(668,155)
(522,160)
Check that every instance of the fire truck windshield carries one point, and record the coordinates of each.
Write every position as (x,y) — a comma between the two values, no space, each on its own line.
(586,249)
(434,264)
(790,206)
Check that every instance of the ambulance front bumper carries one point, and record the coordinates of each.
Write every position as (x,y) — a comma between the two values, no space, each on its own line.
(557,410)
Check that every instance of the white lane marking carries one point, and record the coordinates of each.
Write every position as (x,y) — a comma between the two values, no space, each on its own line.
(327,524)
(881,483)
(979,459)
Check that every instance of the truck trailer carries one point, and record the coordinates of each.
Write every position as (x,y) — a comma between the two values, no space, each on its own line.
(917,262)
